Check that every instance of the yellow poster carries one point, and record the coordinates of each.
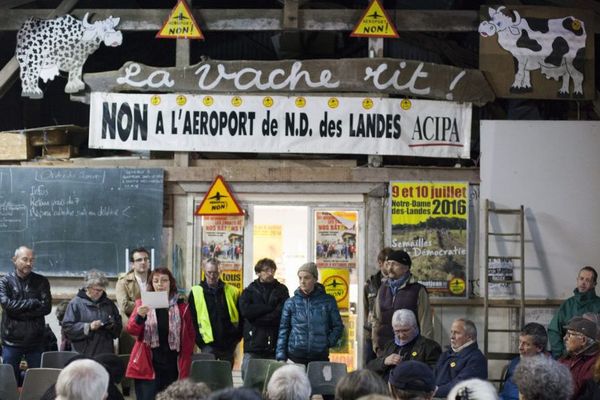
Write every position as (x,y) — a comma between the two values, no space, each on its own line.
(429,221)
(336,283)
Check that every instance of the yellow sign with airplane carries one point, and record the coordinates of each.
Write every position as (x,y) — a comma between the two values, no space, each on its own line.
(375,23)
(180,24)
(219,200)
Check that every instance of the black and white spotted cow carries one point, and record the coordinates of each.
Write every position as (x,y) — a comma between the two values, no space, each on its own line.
(46,46)
(554,46)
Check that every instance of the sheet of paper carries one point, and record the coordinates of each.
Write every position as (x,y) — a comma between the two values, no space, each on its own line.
(155,299)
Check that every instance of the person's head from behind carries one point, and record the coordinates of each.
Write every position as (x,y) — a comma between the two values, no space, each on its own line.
(473,389)
(82,380)
(543,378)
(185,389)
(412,380)
(360,383)
(533,339)
(289,382)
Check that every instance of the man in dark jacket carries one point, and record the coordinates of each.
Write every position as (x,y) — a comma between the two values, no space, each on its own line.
(25,298)
(310,321)
(462,361)
(408,344)
(215,314)
(260,306)
(370,293)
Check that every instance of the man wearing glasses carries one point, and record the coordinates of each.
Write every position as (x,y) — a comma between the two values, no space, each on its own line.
(25,299)
(128,290)
(215,314)
(582,352)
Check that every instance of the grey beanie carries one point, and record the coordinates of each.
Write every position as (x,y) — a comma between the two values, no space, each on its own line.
(311,268)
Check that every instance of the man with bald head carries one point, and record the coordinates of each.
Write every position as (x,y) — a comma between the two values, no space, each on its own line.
(25,299)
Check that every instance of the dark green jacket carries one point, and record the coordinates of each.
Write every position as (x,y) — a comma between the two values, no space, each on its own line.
(577,305)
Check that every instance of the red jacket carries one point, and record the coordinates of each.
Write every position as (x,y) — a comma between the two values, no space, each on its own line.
(581,367)
(140,362)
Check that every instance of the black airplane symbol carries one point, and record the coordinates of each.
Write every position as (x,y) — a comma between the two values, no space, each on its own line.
(375,15)
(217,196)
(334,284)
(181,16)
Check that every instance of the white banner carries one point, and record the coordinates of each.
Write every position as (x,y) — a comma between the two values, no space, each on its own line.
(280,124)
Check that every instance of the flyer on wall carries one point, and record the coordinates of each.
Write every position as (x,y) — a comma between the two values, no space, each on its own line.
(429,220)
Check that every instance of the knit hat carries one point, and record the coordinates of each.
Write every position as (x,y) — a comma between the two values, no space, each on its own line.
(311,268)
(412,375)
(400,256)
(583,326)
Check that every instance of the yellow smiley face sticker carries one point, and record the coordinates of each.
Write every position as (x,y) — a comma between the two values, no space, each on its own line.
(236,101)
(367,103)
(181,100)
(414,354)
(405,104)
(155,100)
(268,101)
(452,364)
(300,102)
(333,102)
(208,101)
(576,25)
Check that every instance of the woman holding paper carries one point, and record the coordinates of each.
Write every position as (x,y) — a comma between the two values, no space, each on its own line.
(164,338)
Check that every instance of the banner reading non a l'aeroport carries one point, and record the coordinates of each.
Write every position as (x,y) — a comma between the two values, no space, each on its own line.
(429,221)
(280,124)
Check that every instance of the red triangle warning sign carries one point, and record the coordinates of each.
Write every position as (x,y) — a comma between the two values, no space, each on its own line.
(219,200)
(180,24)
(375,23)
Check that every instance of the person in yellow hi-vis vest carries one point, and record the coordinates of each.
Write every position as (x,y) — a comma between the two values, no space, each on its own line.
(215,314)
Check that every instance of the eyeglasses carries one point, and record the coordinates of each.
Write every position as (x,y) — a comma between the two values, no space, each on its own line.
(576,334)
(141,259)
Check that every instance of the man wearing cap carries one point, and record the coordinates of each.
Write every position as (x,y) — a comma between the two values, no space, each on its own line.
(407,344)
(463,360)
(584,300)
(582,352)
(400,290)
(310,321)
(412,380)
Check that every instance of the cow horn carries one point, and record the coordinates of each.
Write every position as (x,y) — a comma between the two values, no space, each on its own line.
(85,22)
(517,19)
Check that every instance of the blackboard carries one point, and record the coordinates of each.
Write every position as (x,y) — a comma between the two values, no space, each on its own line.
(76,219)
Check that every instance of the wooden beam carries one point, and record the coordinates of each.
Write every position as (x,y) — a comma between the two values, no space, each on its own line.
(266,19)
(13,3)
(8,74)
(290,14)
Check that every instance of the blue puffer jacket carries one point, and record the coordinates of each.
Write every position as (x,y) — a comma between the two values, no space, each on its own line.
(310,325)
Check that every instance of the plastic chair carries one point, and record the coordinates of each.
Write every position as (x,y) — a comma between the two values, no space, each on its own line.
(8,384)
(37,381)
(202,356)
(256,373)
(56,359)
(324,375)
(215,373)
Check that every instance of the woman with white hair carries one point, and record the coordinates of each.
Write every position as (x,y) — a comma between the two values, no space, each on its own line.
(289,382)
(407,344)
(92,321)
(82,380)
(543,378)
